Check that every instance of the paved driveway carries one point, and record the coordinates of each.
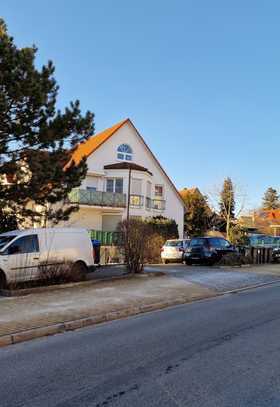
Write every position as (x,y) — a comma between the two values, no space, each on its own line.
(221,279)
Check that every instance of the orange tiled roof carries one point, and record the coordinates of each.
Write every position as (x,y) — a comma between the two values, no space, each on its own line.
(86,148)
(190,190)
(273,214)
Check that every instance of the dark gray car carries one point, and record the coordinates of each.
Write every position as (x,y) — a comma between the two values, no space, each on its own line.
(207,250)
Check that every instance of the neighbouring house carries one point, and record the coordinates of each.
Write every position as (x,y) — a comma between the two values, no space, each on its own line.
(262,221)
(114,156)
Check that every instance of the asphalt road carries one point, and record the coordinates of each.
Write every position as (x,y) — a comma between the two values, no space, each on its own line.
(220,352)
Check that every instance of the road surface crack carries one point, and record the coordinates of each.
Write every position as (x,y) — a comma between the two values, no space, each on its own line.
(115,396)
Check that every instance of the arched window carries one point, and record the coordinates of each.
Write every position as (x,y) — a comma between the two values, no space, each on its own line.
(124,152)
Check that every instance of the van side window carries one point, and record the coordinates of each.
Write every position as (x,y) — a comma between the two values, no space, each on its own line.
(25,244)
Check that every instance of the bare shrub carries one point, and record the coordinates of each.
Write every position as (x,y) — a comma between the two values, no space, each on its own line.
(234,259)
(134,241)
(60,274)
(154,244)
(48,275)
(140,240)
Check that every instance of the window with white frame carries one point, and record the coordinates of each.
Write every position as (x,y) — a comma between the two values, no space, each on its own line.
(114,185)
(119,185)
(110,185)
(124,152)
(159,190)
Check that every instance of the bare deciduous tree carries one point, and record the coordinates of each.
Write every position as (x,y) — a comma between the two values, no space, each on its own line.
(228,201)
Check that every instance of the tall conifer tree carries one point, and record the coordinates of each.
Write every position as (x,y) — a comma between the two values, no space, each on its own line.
(35,137)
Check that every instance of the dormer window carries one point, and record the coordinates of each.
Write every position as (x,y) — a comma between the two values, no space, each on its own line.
(124,152)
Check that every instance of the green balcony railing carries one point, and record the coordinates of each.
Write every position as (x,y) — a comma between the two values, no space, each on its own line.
(97,198)
(107,238)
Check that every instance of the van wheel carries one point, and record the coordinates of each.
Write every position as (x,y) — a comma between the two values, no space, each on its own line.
(165,261)
(79,270)
(3,280)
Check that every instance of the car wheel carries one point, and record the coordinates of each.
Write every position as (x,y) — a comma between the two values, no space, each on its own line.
(165,261)
(79,270)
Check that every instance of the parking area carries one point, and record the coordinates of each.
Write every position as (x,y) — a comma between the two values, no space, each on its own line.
(221,279)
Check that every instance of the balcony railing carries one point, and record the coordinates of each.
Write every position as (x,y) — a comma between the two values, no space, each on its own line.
(97,198)
(159,204)
(136,201)
(113,199)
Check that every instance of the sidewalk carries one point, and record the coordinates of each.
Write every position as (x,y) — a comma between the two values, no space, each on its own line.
(272,269)
(120,297)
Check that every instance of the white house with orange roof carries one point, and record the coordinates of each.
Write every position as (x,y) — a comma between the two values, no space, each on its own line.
(121,165)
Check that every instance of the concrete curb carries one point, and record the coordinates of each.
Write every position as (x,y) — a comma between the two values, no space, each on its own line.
(251,287)
(67,326)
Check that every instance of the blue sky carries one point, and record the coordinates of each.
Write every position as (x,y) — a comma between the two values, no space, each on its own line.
(199,79)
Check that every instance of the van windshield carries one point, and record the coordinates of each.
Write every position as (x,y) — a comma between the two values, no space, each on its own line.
(5,239)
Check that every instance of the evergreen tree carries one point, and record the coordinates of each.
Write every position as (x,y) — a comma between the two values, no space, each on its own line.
(197,212)
(271,199)
(227,204)
(35,137)
(8,221)
(227,201)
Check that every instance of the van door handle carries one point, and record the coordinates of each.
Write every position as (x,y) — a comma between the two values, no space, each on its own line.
(35,258)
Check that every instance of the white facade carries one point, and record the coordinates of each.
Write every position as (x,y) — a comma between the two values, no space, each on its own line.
(151,192)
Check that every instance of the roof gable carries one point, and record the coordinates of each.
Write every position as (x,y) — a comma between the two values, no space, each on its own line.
(85,149)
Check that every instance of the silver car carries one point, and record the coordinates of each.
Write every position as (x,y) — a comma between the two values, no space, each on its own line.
(173,250)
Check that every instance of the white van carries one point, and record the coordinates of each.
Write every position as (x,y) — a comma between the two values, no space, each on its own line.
(22,252)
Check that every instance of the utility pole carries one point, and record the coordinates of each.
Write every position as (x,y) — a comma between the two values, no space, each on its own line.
(128,194)
(127,218)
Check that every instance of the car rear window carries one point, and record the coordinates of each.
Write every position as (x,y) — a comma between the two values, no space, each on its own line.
(5,239)
(198,242)
(174,243)
(216,242)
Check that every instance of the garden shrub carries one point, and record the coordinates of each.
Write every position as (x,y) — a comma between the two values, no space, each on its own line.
(234,259)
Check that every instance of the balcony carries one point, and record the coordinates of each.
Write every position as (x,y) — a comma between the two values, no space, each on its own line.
(159,204)
(97,198)
(136,201)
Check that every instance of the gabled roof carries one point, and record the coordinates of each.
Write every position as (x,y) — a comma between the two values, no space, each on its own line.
(272,214)
(193,190)
(85,149)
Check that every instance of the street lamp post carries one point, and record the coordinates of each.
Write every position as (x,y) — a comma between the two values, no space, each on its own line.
(128,194)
